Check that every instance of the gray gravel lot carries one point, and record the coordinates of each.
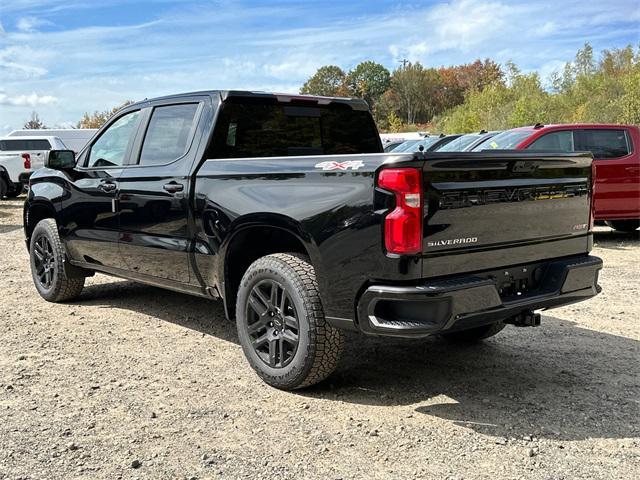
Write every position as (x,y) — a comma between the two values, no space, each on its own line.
(131,381)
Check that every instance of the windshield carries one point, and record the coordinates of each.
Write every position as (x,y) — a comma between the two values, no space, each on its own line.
(459,144)
(504,141)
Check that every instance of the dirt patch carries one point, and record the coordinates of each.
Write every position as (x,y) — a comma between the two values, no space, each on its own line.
(135,382)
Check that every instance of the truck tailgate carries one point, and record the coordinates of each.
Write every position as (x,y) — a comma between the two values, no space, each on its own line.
(497,209)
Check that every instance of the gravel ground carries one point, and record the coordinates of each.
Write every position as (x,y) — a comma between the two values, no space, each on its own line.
(131,381)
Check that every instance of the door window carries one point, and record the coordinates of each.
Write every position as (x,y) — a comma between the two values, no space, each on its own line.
(555,141)
(609,143)
(168,133)
(111,148)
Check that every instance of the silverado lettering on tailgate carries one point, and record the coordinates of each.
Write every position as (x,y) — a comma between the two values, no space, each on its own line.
(470,198)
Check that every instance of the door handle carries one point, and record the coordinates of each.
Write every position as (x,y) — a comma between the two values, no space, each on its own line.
(173,187)
(108,187)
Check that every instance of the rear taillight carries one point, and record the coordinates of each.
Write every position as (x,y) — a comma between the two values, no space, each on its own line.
(27,160)
(403,226)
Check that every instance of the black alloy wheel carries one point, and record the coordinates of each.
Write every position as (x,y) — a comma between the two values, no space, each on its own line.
(272,323)
(44,260)
(281,324)
(54,279)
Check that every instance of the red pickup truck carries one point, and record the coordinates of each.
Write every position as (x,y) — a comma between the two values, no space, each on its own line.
(616,152)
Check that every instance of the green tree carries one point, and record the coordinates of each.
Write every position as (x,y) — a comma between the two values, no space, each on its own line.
(416,89)
(97,119)
(328,81)
(34,123)
(369,80)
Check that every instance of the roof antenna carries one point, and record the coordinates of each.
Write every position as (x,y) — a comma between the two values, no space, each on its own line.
(538,125)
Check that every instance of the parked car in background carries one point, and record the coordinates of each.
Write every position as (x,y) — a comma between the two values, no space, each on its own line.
(429,143)
(404,146)
(286,208)
(24,151)
(73,138)
(616,152)
(19,157)
(466,143)
(388,146)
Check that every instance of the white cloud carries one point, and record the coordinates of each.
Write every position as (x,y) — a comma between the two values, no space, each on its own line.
(23,62)
(31,24)
(31,100)
(273,45)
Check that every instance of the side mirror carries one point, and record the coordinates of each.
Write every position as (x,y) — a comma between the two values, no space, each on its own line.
(61,159)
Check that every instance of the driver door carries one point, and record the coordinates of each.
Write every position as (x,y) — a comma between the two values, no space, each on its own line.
(90,211)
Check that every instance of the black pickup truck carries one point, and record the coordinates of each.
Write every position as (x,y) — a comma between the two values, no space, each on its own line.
(286,209)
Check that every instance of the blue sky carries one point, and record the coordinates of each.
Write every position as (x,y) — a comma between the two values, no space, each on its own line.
(64,57)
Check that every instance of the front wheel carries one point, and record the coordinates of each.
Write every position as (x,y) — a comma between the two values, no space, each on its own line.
(47,257)
(281,323)
(627,226)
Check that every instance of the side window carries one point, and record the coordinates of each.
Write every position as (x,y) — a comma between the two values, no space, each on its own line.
(555,141)
(25,144)
(111,147)
(608,143)
(168,132)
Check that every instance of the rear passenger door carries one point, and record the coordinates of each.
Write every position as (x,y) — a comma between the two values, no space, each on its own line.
(617,190)
(153,195)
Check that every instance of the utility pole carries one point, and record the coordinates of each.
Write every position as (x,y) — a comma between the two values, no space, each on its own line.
(404,63)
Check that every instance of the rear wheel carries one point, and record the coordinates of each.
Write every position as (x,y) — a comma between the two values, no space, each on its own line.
(627,226)
(14,191)
(4,188)
(281,323)
(475,334)
(47,264)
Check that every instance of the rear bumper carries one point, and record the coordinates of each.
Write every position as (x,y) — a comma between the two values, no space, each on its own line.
(461,302)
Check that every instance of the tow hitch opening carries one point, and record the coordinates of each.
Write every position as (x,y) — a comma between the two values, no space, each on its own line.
(525,319)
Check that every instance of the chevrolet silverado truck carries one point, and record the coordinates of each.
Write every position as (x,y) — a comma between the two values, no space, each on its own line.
(286,209)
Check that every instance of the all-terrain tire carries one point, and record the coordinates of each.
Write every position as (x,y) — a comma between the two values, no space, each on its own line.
(477,334)
(627,226)
(319,343)
(56,285)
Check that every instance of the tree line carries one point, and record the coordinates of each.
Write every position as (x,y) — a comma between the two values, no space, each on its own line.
(88,120)
(478,95)
(486,95)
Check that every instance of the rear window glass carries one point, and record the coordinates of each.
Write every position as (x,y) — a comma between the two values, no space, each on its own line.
(260,129)
(555,141)
(508,140)
(24,145)
(605,143)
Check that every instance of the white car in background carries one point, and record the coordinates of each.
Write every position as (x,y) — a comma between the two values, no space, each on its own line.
(19,157)
(73,138)
(24,151)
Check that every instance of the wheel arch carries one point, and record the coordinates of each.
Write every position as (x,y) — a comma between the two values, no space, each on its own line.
(34,213)
(254,238)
